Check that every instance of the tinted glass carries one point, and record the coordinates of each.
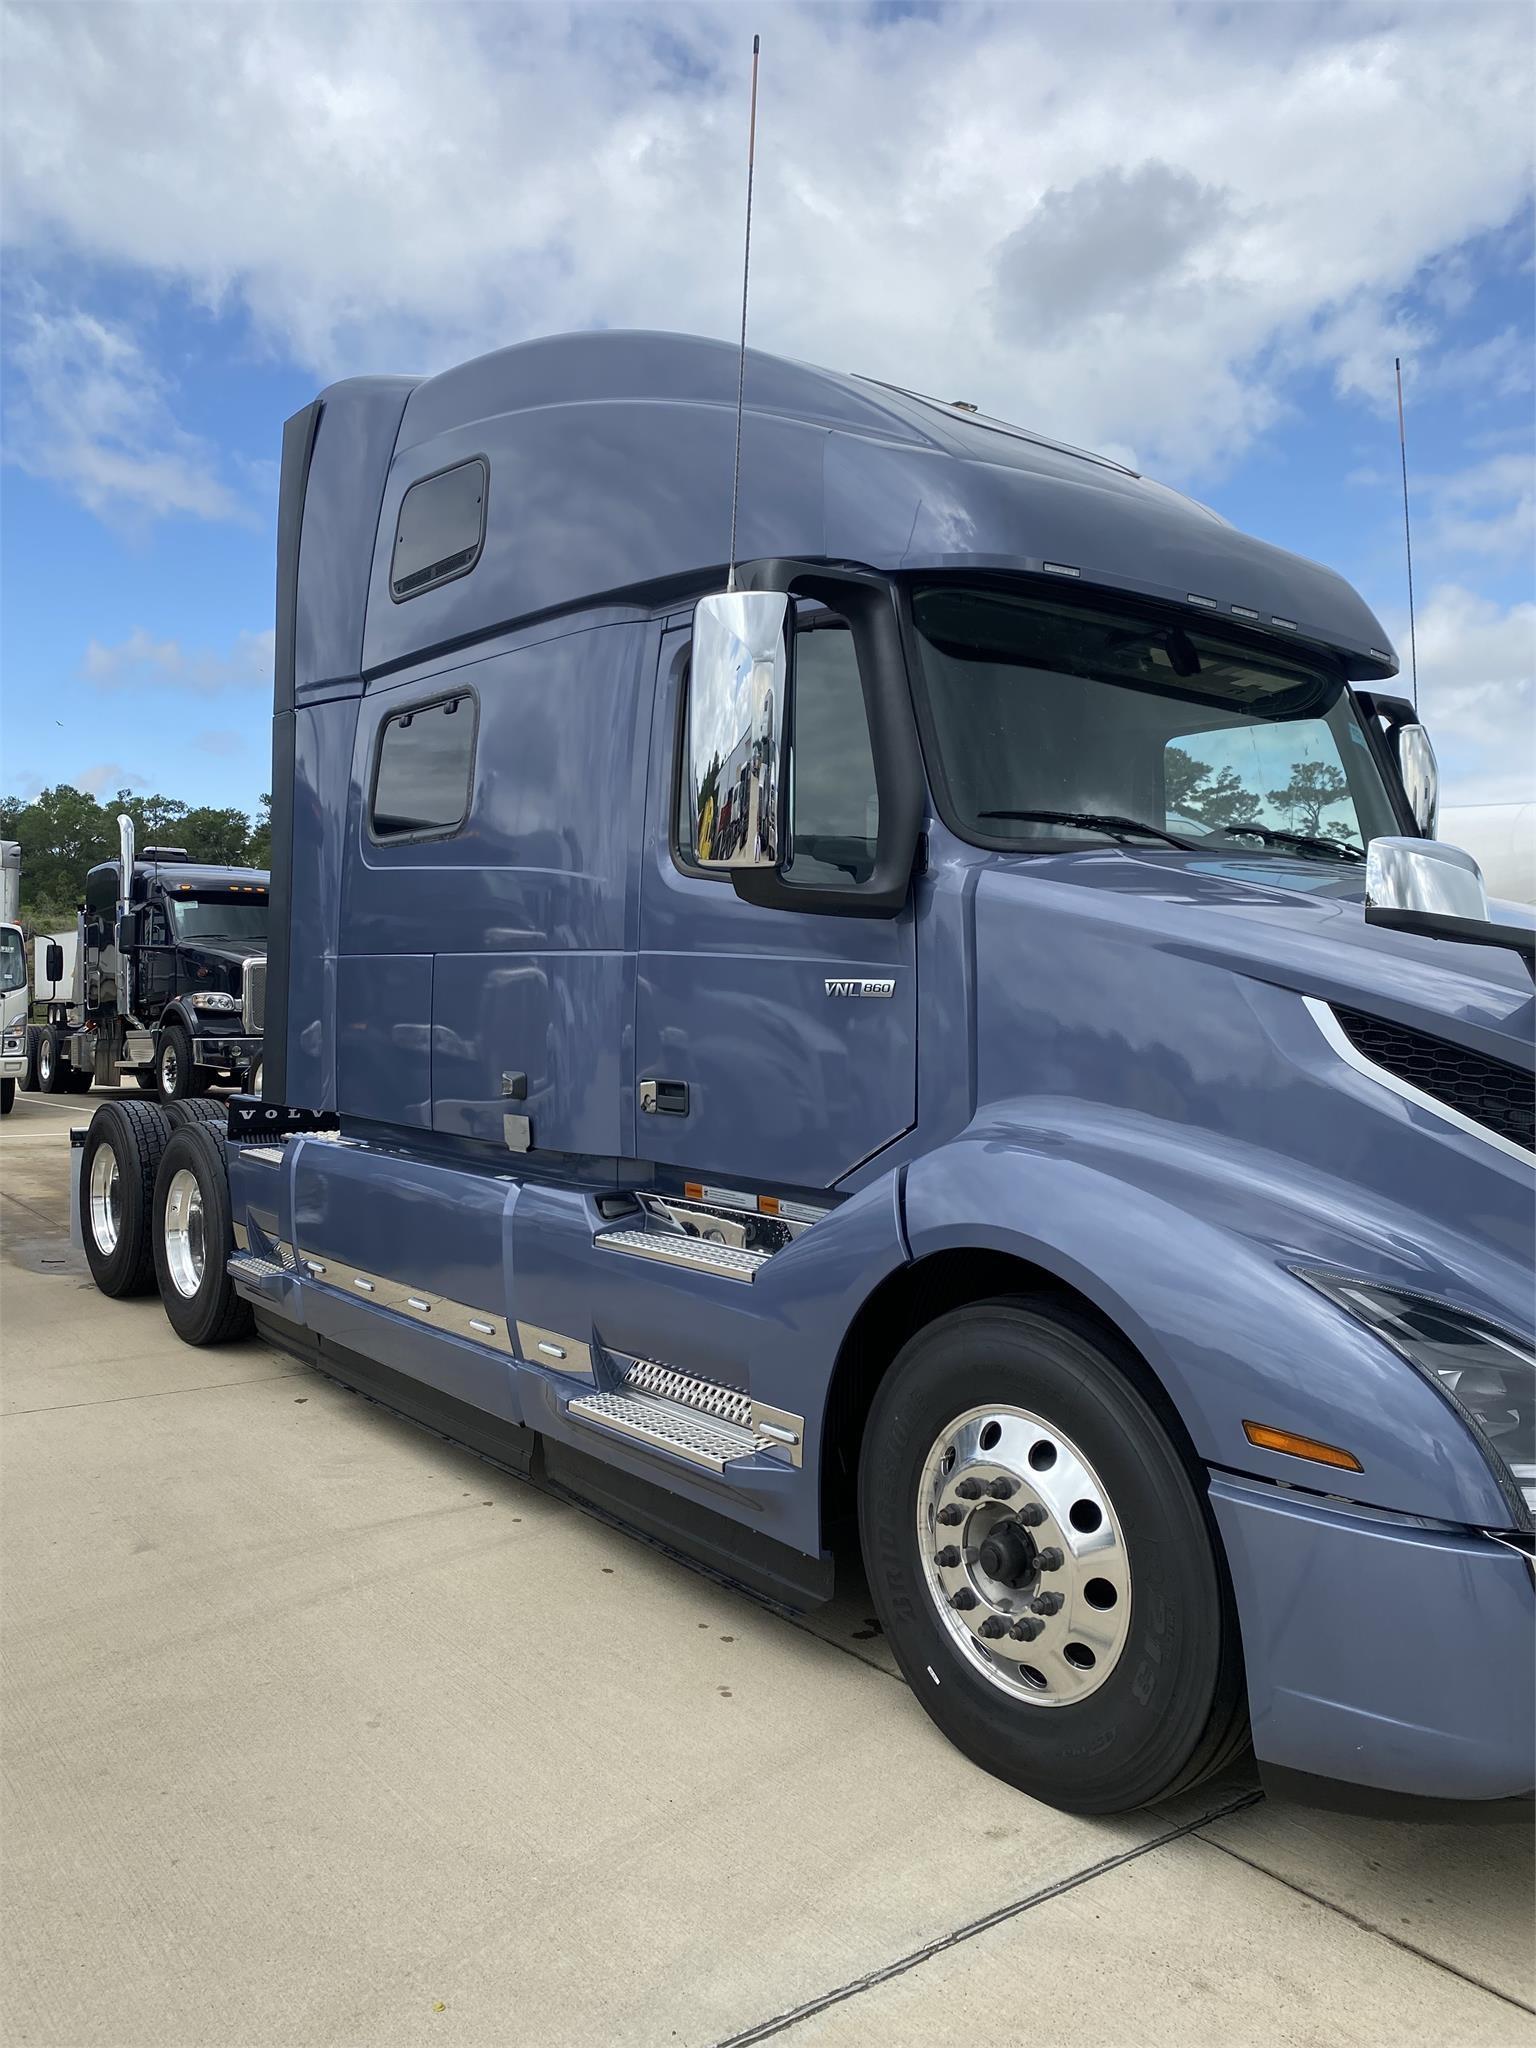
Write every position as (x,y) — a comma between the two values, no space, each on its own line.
(426,757)
(438,531)
(13,959)
(834,810)
(1047,716)
(215,917)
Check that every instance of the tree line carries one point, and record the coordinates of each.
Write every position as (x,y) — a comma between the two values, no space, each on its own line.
(64,831)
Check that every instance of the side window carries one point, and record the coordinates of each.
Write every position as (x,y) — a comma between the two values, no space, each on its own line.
(834,808)
(422,777)
(439,529)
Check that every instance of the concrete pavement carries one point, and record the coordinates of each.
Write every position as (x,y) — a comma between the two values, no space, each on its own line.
(316,1730)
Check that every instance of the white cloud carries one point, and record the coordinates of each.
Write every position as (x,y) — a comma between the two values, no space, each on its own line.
(106,778)
(143,660)
(86,409)
(1129,225)
(1477,693)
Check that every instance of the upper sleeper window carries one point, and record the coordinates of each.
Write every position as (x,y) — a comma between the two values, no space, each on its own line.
(426,759)
(439,529)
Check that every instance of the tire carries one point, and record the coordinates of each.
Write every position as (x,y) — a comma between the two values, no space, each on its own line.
(193,1237)
(29,1078)
(253,1078)
(116,1231)
(1103,1518)
(7,1096)
(175,1076)
(197,1109)
(50,1061)
(77,1082)
(147,1080)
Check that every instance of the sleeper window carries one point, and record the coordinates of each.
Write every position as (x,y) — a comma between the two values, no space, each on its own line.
(439,529)
(426,760)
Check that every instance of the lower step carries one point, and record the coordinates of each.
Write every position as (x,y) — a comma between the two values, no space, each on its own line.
(254,1271)
(667,1426)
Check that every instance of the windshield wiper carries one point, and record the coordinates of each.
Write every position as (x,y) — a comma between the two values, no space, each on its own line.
(1097,821)
(1272,836)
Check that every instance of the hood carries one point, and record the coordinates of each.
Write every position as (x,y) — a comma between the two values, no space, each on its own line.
(228,952)
(1299,924)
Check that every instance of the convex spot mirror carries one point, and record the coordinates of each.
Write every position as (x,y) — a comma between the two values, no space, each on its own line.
(738,685)
(1421,776)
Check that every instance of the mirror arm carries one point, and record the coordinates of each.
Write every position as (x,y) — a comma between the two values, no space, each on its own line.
(868,602)
(1464,931)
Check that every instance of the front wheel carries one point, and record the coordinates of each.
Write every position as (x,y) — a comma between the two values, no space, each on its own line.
(175,1074)
(50,1061)
(1042,1563)
(7,1096)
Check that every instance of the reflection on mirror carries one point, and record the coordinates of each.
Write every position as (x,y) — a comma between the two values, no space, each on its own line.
(1421,776)
(1423,875)
(737,684)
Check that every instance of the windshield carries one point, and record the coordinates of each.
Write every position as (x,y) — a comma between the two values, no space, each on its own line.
(1057,722)
(219,917)
(13,960)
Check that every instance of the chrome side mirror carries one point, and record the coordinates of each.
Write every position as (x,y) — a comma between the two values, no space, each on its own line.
(1424,875)
(1421,776)
(738,682)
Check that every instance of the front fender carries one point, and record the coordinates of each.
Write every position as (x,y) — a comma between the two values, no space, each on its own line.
(1183,1241)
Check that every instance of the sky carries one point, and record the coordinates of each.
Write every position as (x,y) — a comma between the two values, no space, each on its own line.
(1194,236)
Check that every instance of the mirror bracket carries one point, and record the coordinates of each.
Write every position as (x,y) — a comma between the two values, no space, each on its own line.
(868,601)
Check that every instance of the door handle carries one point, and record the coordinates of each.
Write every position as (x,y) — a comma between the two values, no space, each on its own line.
(664,1098)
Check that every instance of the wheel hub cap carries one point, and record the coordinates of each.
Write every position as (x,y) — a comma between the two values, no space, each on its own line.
(106,1200)
(185,1251)
(1023,1556)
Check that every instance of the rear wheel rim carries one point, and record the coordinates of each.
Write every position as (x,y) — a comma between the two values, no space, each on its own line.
(1023,1556)
(106,1200)
(185,1240)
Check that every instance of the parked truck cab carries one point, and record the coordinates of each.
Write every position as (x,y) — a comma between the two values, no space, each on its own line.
(946,1043)
(158,990)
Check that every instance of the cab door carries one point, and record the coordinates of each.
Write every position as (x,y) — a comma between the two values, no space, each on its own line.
(773,1045)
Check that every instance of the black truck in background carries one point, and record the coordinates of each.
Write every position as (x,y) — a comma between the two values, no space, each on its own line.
(163,987)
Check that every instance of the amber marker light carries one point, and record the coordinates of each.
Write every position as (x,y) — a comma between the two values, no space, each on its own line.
(1294,1446)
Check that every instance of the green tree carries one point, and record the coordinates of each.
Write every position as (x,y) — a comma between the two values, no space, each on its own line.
(1313,787)
(258,847)
(1213,797)
(220,837)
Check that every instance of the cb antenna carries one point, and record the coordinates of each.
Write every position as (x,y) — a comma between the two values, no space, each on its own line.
(746,269)
(1402,444)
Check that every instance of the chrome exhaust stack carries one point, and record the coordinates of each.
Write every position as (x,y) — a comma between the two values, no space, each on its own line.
(124,906)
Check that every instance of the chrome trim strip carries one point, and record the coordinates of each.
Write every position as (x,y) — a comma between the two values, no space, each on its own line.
(1329,1025)
(417,1304)
(552,1348)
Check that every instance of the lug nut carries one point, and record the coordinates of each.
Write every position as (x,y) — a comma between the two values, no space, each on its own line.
(947,1558)
(993,1627)
(950,1516)
(1048,1560)
(1025,1629)
(965,1599)
(1003,1489)
(1031,1514)
(970,1489)
(1047,1603)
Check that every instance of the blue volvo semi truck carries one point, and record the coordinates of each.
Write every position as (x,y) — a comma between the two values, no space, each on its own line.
(947,1040)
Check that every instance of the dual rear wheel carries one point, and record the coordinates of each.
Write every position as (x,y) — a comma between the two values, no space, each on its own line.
(155,1212)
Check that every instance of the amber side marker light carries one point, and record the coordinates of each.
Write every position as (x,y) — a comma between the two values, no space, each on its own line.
(1295,1446)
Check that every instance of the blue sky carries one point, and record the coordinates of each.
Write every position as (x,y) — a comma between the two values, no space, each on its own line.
(1194,235)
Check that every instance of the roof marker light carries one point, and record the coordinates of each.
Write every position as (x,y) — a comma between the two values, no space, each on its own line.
(1276,620)
(1264,1438)
(1060,569)
(1208,602)
(1241,611)
(1381,653)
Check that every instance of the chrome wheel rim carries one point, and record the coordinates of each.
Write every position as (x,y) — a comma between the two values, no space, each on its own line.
(168,1069)
(1023,1556)
(185,1245)
(253,1087)
(106,1200)
(45,1061)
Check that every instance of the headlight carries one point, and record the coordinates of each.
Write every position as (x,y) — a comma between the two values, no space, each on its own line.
(213,999)
(1486,1373)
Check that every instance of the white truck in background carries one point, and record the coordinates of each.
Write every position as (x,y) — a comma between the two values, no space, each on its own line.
(13,977)
(1501,838)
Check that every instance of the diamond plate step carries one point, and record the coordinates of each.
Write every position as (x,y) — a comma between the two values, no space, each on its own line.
(675,1249)
(255,1271)
(667,1426)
